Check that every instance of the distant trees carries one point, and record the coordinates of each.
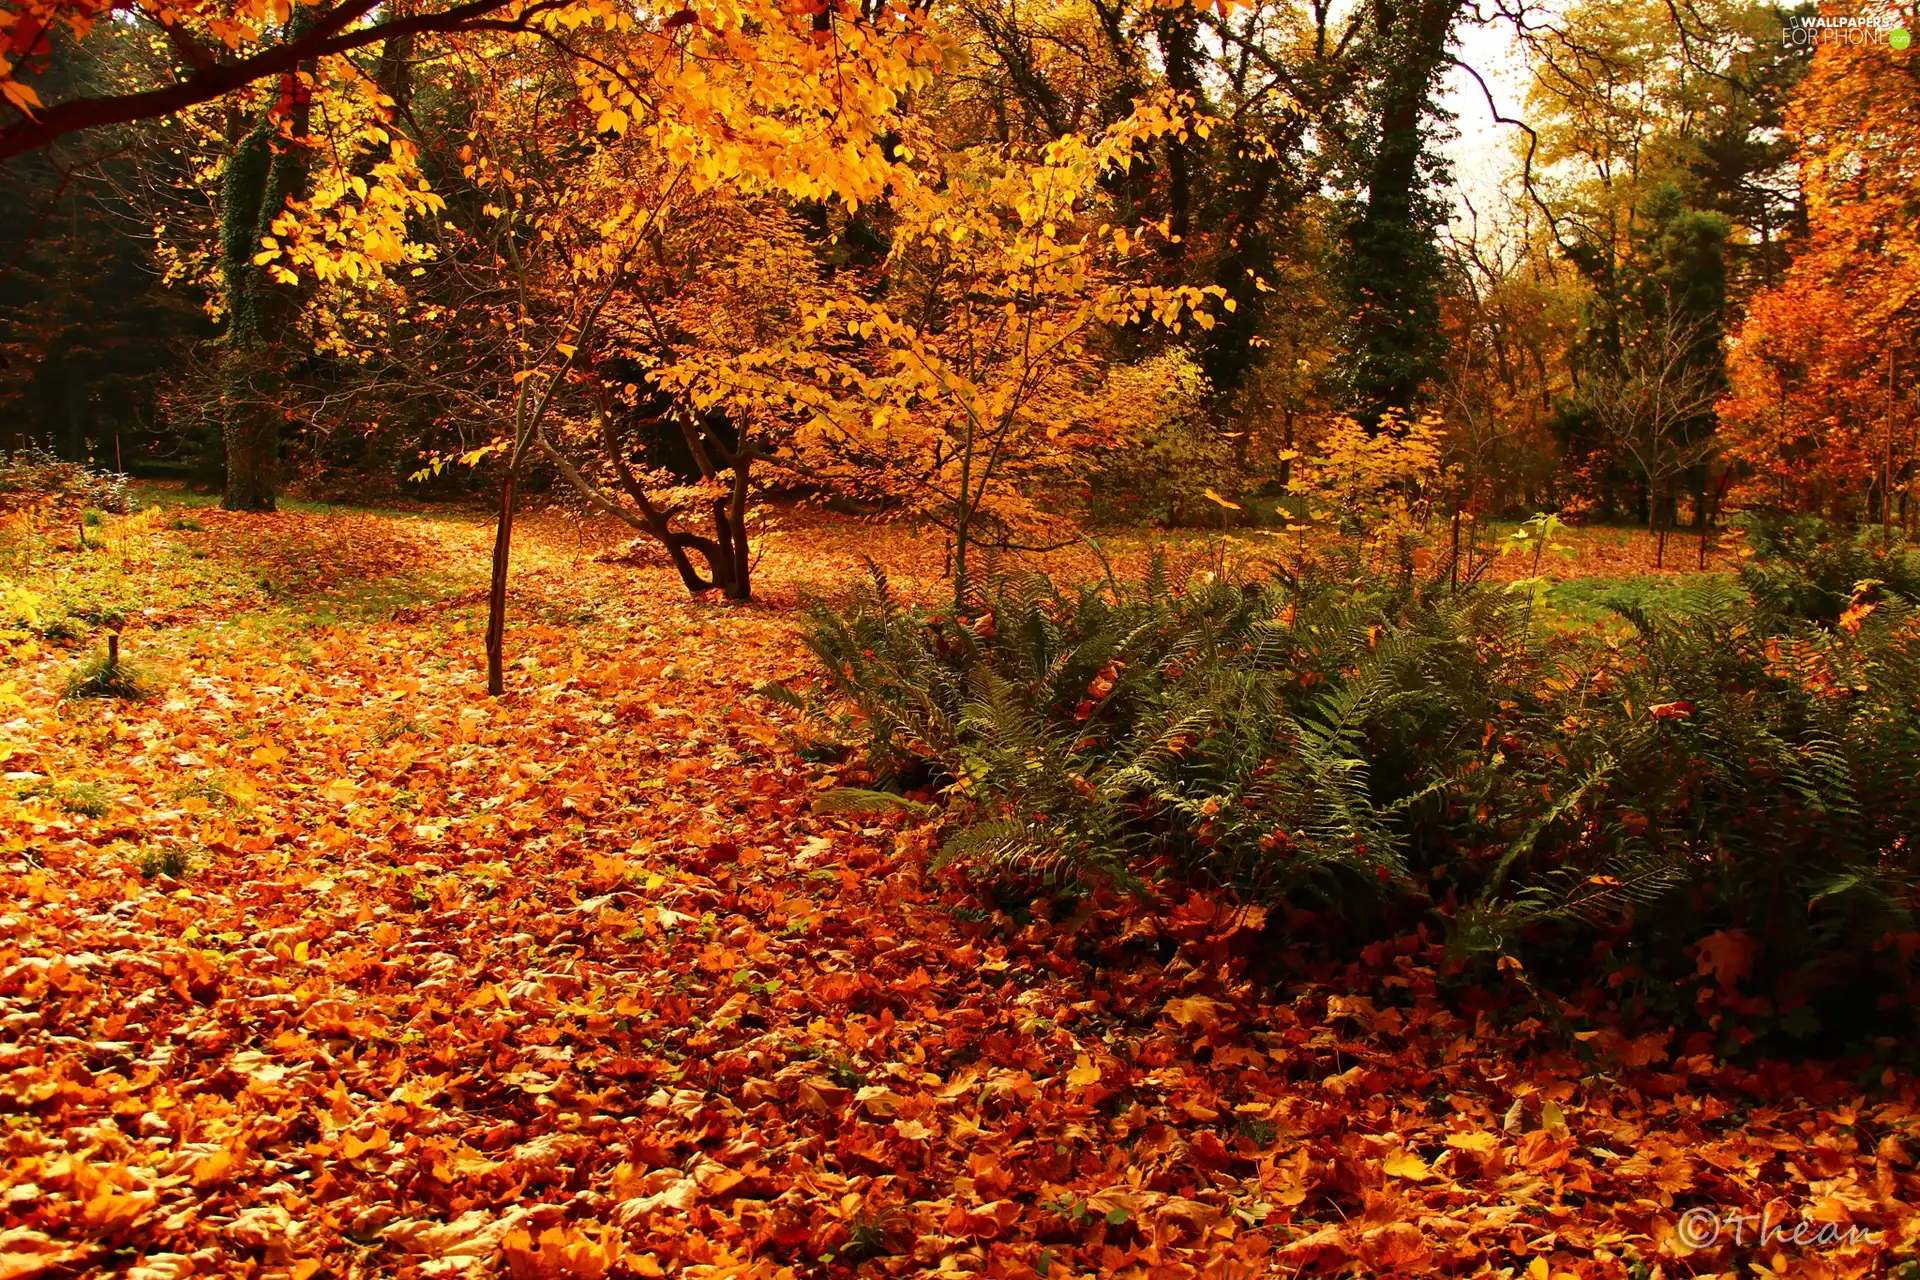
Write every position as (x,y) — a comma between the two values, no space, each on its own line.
(1656,160)
(1822,412)
(397,216)
(89,336)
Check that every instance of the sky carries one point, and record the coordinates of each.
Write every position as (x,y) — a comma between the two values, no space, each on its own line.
(1483,152)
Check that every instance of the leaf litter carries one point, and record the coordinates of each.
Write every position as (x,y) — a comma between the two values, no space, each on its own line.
(362,973)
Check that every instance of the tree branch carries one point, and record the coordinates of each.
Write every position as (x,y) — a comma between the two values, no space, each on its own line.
(328,36)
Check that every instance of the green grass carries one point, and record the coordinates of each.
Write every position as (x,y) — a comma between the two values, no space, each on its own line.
(170,864)
(1582,603)
(211,786)
(98,677)
(82,799)
(86,799)
(173,497)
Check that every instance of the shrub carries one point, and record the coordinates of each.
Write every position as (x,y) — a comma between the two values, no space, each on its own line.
(1802,568)
(34,475)
(64,629)
(1376,750)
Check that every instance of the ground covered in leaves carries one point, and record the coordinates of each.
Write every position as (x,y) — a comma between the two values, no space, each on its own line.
(317,962)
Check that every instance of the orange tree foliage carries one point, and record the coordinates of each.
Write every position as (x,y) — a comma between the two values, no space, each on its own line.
(1820,369)
(589,189)
(968,386)
(962,376)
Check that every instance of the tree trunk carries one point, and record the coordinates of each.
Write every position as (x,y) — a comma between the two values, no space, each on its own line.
(264,172)
(677,553)
(1453,555)
(724,561)
(960,562)
(1391,265)
(497,592)
(742,586)
(250,428)
(1663,515)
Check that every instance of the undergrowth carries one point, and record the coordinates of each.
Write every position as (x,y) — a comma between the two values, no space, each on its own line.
(107,675)
(1704,814)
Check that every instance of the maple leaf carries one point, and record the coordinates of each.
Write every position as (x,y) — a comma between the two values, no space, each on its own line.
(1194,1011)
(1324,1248)
(1405,1164)
(1727,956)
(1479,1141)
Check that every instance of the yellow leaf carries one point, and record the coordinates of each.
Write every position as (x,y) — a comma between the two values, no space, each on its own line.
(353,1148)
(213,1169)
(20,95)
(1084,1073)
(1405,1164)
(1479,1142)
(1214,497)
(1194,1011)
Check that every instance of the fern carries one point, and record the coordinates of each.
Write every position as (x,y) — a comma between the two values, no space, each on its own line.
(1373,749)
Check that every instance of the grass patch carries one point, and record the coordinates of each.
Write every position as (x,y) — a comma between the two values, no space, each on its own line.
(212,787)
(65,628)
(167,864)
(107,675)
(87,799)
(1585,603)
(372,601)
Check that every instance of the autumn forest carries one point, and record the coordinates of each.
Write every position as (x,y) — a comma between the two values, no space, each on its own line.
(1007,638)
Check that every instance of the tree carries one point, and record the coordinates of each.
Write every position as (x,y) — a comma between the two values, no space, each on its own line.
(1654,407)
(778,104)
(1816,412)
(967,389)
(1508,325)
(89,336)
(1392,263)
(1667,287)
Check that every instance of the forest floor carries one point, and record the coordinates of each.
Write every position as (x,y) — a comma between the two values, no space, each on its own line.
(317,962)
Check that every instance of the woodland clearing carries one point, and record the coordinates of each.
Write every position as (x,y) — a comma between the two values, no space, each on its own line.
(319,962)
